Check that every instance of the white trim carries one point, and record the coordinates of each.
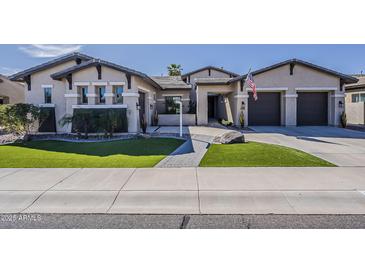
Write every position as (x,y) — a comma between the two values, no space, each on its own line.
(185,99)
(290,95)
(91,95)
(81,83)
(72,95)
(99,83)
(47,86)
(160,100)
(143,89)
(241,96)
(269,89)
(99,106)
(130,94)
(315,88)
(116,83)
(167,95)
(338,95)
(109,94)
(46,105)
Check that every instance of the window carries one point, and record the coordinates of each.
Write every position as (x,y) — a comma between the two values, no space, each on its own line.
(83,91)
(358,97)
(101,93)
(362,97)
(47,95)
(171,106)
(118,91)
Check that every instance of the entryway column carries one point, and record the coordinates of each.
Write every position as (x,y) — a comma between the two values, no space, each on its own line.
(289,108)
(131,100)
(91,95)
(201,106)
(109,96)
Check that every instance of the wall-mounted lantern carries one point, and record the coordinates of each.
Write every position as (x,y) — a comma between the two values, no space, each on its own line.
(243,105)
(340,104)
(151,107)
(137,106)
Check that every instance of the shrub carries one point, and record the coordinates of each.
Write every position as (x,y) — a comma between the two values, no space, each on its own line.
(343,119)
(19,118)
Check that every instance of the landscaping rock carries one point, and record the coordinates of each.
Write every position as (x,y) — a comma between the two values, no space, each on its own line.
(231,137)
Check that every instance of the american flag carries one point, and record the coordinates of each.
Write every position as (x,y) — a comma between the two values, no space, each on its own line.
(252,85)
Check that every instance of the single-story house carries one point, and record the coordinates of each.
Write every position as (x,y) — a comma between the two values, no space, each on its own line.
(355,101)
(10,92)
(290,93)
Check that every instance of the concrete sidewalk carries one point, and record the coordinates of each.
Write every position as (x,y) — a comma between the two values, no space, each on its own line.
(184,190)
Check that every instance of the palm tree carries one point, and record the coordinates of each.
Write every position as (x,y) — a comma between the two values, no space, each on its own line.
(174,70)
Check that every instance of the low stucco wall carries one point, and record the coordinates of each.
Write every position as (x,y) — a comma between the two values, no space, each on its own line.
(174,119)
(355,113)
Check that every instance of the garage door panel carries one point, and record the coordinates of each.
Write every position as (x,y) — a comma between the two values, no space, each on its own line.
(265,111)
(312,109)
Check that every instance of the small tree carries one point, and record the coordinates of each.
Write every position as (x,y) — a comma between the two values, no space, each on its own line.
(155,118)
(108,121)
(144,123)
(242,119)
(19,118)
(80,120)
(343,119)
(174,70)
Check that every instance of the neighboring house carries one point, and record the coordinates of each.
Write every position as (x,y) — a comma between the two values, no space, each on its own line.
(290,93)
(355,101)
(10,92)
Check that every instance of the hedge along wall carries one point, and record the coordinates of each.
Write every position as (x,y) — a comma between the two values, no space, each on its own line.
(47,120)
(97,123)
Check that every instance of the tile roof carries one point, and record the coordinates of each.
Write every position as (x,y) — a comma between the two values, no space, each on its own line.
(359,85)
(171,82)
(212,81)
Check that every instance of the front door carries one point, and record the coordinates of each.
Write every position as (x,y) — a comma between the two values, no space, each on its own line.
(211,106)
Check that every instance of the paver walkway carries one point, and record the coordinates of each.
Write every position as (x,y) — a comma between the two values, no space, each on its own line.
(193,150)
(188,154)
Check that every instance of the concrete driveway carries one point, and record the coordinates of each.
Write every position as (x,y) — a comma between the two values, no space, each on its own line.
(343,147)
(332,190)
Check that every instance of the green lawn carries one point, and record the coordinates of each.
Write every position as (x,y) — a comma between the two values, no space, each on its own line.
(254,154)
(58,154)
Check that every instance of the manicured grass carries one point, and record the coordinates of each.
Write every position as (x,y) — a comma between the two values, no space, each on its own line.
(58,154)
(254,154)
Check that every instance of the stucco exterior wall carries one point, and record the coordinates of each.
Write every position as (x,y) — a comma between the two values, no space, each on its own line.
(202,98)
(204,74)
(174,119)
(355,113)
(13,91)
(303,79)
(160,99)
(36,95)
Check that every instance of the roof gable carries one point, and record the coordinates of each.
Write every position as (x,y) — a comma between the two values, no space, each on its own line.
(98,62)
(210,67)
(69,57)
(346,78)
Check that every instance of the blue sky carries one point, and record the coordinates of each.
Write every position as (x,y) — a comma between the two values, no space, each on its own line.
(153,59)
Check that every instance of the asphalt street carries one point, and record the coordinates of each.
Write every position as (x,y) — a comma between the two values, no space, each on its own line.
(141,221)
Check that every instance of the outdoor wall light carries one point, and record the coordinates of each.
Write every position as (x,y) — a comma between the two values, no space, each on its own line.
(340,104)
(243,105)
(137,106)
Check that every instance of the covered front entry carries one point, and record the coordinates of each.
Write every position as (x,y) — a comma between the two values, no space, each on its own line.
(265,111)
(312,109)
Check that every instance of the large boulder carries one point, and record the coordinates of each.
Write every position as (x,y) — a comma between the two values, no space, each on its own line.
(231,137)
